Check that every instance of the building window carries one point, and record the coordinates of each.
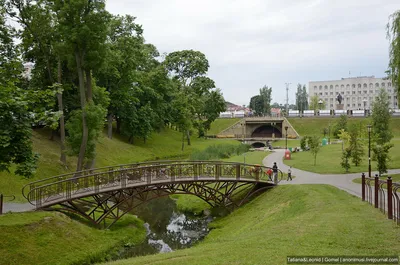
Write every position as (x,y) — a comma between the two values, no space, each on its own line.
(389,90)
(359,92)
(348,105)
(383,84)
(354,92)
(331,99)
(359,98)
(326,93)
(337,86)
(377,85)
(371,91)
(331,87)
(354,105)
(326,87)
(353,86)
(342,86)
(359,104)
(365,85)
(359,85)
(347,86)
(331,93)
(315,87)
(331,105)
(320,87)
(365,91)
(371,85)
(315,94)
(389,97)
(389,84)
(320,93)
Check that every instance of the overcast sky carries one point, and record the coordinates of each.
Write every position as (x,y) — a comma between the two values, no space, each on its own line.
(251,43)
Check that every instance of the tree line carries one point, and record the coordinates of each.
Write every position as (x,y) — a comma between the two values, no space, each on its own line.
(92,68)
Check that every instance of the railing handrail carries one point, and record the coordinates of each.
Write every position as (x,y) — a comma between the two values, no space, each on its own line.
(121,168)
(115,166)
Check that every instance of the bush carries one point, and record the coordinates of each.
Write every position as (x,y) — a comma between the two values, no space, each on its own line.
(221,151)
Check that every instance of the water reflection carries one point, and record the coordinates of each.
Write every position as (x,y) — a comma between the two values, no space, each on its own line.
(167,228)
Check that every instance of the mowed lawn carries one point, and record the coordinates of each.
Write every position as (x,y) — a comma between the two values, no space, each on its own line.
(42,238)
(290,220)
(221,124)
(329,158)
(163,145)
(395,178)
(315,125)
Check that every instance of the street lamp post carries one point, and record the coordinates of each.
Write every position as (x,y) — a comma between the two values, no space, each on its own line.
(286,128)
(365,104)
(369,150)
(320,105)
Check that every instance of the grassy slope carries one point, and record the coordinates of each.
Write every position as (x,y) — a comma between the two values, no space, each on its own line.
(290,220)
(165,145)
(52,238)
(329,158)
(221,124)
(311,126)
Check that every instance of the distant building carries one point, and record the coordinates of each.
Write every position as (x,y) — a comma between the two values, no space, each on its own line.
(358,93)
(28,70)
(235,111)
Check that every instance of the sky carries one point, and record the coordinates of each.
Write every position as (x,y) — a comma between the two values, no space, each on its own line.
(252,43)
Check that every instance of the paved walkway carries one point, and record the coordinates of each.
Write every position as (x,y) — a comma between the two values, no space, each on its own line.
(341,181)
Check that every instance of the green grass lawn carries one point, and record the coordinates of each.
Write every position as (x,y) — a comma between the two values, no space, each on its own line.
(395,178)
(312,126)
(163,145)
(290,220)
(329,158)
(53,238)
(221,124)
(282,143)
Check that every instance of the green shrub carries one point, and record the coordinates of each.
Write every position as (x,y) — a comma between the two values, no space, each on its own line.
(216,152)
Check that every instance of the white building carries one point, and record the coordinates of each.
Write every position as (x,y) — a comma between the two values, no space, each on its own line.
(357,93)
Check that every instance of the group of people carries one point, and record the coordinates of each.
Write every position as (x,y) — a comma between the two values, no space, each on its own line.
(273,173)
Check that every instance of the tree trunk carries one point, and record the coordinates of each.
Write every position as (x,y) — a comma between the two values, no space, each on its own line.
(90,164)
(188,137)
(130,139)
(144,139)
(85,131)
(118,130)
(53,133)
(89,90)
(63,157)
(183,140)
(109,125)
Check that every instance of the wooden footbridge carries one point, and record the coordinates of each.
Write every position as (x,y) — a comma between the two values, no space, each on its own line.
(104,195)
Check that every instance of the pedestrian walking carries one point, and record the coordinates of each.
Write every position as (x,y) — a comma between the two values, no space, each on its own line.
(275,172)
(289,174)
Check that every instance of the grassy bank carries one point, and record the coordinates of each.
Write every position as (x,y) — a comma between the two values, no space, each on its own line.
(221,124)
(290,220)
(52,238)
(313,126)
(329,158)
(164,145)
(220,151)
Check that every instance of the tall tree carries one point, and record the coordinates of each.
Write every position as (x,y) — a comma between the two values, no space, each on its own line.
(256,104)
(15,119)
(393,34)
(265,93)
(83,26)
(356,147)
(382,133)
(42,45)
(314,143)
(305,98)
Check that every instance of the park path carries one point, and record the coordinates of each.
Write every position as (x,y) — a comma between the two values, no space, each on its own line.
(341,181)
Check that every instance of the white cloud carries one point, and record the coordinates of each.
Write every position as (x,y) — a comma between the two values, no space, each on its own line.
(256,42)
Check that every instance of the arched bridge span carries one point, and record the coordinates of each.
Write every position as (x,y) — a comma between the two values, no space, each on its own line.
(104,195)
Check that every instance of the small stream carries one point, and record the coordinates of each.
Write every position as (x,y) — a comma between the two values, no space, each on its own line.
(167,229)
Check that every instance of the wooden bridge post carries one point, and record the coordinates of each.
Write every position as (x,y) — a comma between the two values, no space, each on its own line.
(390,197)
(238,172)
(195,171)
(96,184)
(68,189)
(217,171)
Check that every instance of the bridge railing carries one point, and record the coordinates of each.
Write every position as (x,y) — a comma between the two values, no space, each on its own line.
(55,190)
(383,194)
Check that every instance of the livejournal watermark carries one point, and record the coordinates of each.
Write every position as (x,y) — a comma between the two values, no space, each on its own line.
(343,260)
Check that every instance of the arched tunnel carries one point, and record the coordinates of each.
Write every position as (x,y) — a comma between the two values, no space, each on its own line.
(258,145)
(266,131)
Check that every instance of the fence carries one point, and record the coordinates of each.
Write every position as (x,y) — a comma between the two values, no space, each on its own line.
(383,194)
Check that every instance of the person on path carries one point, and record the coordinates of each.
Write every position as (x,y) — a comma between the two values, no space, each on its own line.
(289,174)
(275,171)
